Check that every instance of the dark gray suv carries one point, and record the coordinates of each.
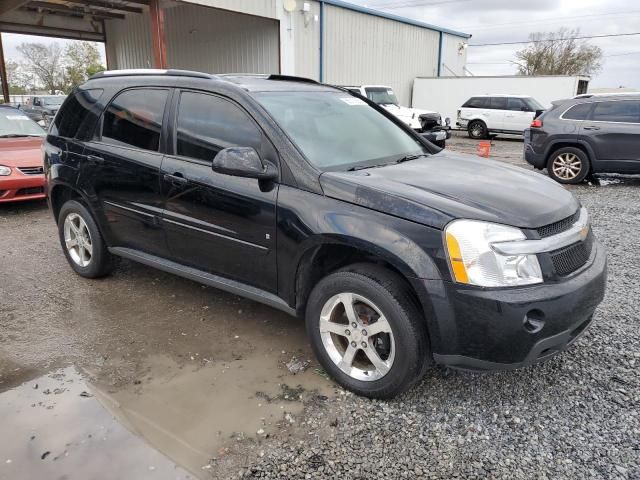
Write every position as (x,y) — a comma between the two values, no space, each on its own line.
(590,134)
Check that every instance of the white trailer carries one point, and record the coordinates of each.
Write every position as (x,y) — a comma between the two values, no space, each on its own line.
(447,94)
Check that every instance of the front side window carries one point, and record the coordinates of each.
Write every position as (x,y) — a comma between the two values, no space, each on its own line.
(134,119)
(207,124)
(336,131)
(517,104)
(578,112)
(381,95)
(14,123)
(623,111)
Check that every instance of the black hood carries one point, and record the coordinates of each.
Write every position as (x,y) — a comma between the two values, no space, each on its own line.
(439,188)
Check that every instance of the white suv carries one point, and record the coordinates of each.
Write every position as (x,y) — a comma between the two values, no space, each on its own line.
(485,114)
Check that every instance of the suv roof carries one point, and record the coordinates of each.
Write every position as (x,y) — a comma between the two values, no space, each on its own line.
(500,95)
(612,95)
(252,82)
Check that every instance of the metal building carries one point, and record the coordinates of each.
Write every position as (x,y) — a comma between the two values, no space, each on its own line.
(328,40)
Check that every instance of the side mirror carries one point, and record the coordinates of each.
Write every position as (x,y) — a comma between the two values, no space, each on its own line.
(447,121)
(243,162)
(525,109)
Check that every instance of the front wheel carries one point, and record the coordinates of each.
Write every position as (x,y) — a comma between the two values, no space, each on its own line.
(367,331)
(568,165)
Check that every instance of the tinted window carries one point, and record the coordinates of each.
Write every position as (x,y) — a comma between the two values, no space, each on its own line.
(477,102)
(517,104)
(134,119)
(620,111)
(577,112)
(499,103)
(207,124)
(74,112)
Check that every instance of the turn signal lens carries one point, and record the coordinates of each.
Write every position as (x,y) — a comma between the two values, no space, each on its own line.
(537,123)
(455,256)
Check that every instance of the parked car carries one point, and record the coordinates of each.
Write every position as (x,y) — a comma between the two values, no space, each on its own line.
(296,194)
(21,171)
(483,115)
(589,134)
(426,122)
(44,107)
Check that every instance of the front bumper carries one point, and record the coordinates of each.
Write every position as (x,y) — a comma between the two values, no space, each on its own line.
(17,187)
(491,329)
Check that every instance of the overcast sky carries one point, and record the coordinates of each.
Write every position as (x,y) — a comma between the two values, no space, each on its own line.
(494,21)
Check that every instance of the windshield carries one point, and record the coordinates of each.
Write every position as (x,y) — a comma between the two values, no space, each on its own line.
(336,131)
(533,104)
(381,95)
(14,123)
(53,100)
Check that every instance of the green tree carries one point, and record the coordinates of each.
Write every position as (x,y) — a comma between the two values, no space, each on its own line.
(82,59)
(559,53)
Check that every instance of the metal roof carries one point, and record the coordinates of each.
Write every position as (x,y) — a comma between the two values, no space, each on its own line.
(389,16)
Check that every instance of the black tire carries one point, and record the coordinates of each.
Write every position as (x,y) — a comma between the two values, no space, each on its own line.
(477,130)
(100,261)
(575,157)
(390,294)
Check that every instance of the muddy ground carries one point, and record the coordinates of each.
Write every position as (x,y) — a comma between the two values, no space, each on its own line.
(193,381)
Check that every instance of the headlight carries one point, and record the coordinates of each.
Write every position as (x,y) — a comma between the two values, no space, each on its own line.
(4,171)
(473,260)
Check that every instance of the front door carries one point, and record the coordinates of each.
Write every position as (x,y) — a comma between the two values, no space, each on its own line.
(218,223)
(518,115)
(122,166)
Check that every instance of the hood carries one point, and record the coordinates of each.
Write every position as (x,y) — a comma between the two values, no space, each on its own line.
(21,152)
(404,112)
(439,188)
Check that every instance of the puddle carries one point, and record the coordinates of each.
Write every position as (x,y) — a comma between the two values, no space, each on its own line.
(603,180)
(57,431)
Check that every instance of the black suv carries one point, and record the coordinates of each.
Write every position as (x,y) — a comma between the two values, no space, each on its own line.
(324,205)
(584,135)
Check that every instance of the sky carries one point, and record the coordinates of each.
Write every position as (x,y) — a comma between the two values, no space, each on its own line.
(495,21)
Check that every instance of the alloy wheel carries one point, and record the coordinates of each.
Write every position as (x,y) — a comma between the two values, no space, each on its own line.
(77,239)
(567,166)
(357,336)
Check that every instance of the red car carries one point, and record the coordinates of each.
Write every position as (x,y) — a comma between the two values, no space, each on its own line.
(21,172)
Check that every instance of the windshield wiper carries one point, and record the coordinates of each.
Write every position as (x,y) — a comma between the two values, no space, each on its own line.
(407,158)
(16,135)
(362,167)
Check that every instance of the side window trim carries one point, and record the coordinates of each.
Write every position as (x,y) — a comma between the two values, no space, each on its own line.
(100,123)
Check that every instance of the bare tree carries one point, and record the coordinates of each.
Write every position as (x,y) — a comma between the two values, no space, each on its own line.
(558,53)
(45,64)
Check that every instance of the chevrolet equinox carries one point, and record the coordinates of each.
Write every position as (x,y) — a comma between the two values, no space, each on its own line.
(322,204)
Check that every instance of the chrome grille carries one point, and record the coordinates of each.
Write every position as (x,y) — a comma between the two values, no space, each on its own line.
(31,170)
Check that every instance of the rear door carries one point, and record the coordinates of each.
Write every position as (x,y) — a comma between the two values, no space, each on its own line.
(121,169)
(496,113)
(518,115)
(613,132)
(218,223)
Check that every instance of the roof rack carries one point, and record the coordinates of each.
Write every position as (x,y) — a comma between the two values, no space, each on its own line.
(151,71)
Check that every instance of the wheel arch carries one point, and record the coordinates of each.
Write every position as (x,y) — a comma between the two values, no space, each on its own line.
(558,144)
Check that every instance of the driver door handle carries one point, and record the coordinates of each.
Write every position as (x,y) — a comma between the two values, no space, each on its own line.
(176,179)
(591,127)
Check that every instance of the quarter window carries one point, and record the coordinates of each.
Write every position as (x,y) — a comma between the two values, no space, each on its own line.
(134,119)
(477,102)
(578,112)
(75,111)
(623,111)
(207,124)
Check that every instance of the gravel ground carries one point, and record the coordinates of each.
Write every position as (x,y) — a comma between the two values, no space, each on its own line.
(575,416)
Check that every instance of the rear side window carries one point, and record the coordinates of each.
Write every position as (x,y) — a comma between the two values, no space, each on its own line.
(134,119)
(207,124)
(499,103)
(624,111)
(578,112)
(77,109)
(477,102)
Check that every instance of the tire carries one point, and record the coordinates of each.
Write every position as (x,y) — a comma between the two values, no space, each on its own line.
(477,130)
(568,165)
(402,344)
(87,254)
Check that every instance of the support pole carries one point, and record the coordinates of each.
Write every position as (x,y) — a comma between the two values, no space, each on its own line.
(157,34)
(3,74)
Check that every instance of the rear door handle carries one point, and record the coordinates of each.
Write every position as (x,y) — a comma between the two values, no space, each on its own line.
(176,179)
(591,127)
(95,159)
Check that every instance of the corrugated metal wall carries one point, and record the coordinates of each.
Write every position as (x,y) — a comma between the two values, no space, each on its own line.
(363,49)
(262,8)
(306,32)
(199,38)
(453,59)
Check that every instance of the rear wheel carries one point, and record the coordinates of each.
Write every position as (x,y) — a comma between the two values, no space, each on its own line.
(477,130)
(367,331)
(568,165)
(81,241)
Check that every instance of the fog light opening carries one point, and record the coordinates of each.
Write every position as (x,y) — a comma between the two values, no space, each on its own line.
(533,321)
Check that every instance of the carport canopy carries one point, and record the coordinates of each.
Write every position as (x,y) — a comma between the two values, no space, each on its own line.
(76,20)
